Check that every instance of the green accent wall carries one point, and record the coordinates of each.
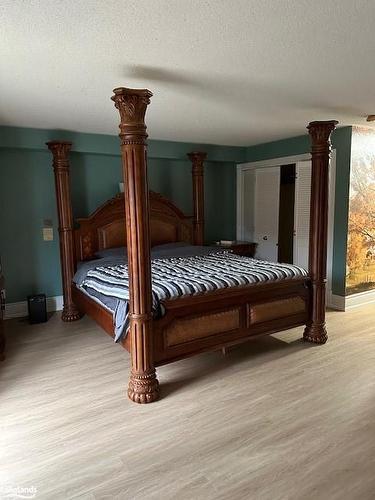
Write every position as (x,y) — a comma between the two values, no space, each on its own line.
(27,195)
(341,141)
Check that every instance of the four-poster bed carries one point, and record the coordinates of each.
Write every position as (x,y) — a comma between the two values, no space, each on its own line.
(192,323)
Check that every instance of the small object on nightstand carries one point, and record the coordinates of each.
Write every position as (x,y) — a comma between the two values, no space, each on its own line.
(244,248)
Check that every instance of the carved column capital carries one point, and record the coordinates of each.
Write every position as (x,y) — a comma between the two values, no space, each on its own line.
(320,133)
(132,105)
(197,159)
(60,152)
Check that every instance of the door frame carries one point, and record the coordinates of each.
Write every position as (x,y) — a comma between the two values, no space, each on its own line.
(284,160)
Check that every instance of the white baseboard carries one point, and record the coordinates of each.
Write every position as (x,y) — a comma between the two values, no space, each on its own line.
(19,309)
(337,302)
(349,301)
(360,299)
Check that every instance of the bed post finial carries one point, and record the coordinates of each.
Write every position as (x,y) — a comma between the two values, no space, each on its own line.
(60,151)
(320,133)
(132,105)
(197,159)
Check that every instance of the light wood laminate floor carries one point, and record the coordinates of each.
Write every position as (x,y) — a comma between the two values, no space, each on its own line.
(274,419)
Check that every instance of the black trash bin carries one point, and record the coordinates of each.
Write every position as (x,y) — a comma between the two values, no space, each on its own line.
(37,308)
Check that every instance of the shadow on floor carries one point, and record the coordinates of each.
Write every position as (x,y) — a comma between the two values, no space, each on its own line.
(257,352)
(34,344)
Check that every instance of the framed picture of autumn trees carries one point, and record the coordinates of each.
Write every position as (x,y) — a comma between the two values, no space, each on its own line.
(360,269)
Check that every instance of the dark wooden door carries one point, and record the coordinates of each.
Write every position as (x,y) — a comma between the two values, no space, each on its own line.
(286,213)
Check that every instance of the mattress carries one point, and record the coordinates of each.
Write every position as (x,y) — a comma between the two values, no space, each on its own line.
(177,272)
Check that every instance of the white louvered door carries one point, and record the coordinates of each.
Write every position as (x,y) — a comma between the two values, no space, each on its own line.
(302,214)
(266,212)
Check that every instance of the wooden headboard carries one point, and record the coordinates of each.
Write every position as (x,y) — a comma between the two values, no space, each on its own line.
(106,227)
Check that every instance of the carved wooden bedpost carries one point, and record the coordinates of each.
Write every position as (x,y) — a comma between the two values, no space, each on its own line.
(60,151)
(320,133)
(197,158)
(132,105)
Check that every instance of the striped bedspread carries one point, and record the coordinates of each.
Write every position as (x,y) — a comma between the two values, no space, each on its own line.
(181,276)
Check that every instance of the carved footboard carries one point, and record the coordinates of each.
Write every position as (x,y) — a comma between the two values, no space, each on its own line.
(227,317)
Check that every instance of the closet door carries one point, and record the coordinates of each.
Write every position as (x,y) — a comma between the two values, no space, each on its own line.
(266,212)
(302,214)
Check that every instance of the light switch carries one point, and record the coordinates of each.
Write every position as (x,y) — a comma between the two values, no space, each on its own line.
(48,233)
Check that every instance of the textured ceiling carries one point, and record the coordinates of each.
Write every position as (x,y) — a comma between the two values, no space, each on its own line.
(222,71)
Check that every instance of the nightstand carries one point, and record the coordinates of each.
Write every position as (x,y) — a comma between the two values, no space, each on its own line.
(244,248)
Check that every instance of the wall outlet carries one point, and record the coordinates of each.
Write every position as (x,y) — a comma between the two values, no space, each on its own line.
(48,233)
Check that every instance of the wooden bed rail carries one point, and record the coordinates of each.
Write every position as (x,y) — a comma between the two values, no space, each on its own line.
(320,133)
(132,105)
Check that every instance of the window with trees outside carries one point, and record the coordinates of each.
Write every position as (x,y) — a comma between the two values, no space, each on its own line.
(360,272)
